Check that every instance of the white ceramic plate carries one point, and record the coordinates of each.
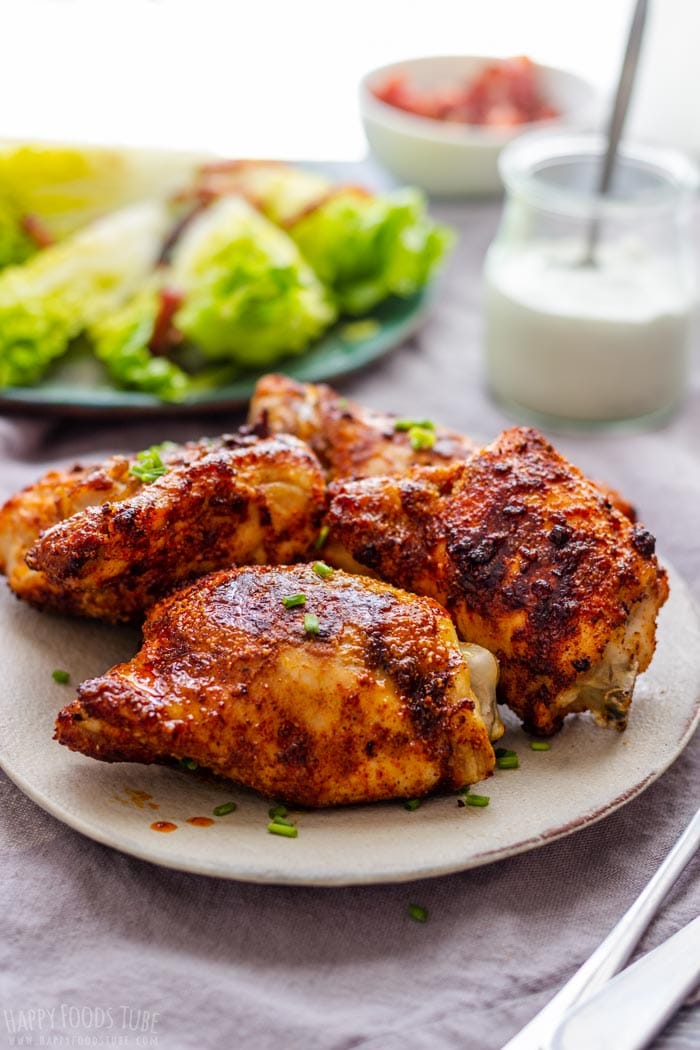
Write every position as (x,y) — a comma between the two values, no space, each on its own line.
(588,773)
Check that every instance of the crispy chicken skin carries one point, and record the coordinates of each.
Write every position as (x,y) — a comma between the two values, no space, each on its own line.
(349,440)
(54,497)
(112,545)
(353,441)
(377,705)
(531,561)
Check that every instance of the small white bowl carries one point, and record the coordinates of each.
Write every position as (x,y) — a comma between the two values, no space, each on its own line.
(449,159)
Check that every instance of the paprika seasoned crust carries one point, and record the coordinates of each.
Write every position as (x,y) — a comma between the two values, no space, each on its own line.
(236,500)
(349,440)
(38,506)
(531,561)
(376,705)
(352,441)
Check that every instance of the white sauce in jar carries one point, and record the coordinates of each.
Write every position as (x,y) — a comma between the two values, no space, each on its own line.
(587,343)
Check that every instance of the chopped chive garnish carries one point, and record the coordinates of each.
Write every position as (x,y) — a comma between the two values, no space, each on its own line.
(404,425)
(322,570)
(418,913)
(421,438)
(189,763)
(501,752)
(62,677)
(413,803)
(539,745)
(311,625)
(222,810)
(149,466)
(282,829)
(292,600)
(322,537)
(477,800)
(283,820)
(508,761)
(277,811)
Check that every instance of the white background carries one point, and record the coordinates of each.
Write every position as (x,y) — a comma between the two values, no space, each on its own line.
(278,77)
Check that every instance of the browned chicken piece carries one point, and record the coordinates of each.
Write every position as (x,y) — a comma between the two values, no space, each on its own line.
(353,441)
(102,543)
(349,440)
(42,504)
(531,561)
(617,500)
(361,693)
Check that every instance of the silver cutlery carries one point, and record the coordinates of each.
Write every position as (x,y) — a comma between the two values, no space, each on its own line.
(618,115)
(615,950)
(633,1007)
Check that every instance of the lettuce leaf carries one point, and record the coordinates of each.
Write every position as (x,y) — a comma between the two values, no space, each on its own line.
(249,296)
(121,341)
(64,289)
(16,246)
(363,247)
(368,248)
(70,186)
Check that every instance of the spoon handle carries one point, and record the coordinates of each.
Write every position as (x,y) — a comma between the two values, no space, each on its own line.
(618,115)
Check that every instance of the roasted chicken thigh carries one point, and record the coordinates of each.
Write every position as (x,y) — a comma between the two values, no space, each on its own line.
(103,542)
(352,441)
(349,440)
(315,689)
(531,561)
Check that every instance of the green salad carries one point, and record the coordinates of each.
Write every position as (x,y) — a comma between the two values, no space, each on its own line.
(247,264)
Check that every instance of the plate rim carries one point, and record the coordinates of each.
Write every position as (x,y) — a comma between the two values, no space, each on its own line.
(424,871)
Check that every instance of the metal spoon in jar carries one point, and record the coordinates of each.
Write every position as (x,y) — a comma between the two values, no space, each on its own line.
(617,120)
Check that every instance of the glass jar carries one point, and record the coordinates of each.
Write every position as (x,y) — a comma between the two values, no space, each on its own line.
(598,341)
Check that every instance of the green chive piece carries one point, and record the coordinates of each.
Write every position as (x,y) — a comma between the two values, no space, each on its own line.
(277,811)
(189,763)
(477,800)
(322,570)
(421,438)
(292,600)
(503,752)
(539,745)
(413,803)
(311,625)
(226,807)
(508,762)
(62,677)
(322,537)
(418,913)
(404,425)
(149,466)
(283,820)
(282,829)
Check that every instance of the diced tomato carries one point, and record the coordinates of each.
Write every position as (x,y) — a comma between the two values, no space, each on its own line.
(165,335)
(34,227)
(503,94)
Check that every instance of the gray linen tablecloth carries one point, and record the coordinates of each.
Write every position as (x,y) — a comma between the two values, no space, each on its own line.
(266,968)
